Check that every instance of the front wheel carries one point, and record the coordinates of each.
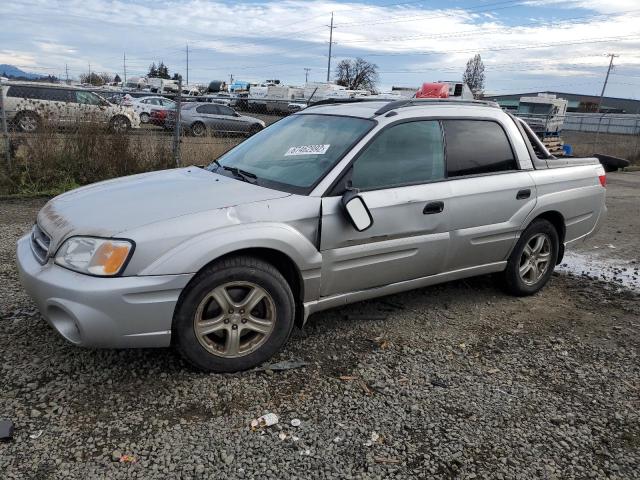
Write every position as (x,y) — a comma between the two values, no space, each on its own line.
(234,315)
(533,259)
(144,117)
(254,129)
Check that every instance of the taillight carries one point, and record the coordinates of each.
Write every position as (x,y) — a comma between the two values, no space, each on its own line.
(602,176)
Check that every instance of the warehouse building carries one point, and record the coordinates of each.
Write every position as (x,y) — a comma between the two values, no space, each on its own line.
(577,103)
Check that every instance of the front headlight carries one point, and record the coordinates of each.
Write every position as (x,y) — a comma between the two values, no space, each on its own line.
(103,257)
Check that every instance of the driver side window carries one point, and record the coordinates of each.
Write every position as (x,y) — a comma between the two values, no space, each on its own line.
(404,154)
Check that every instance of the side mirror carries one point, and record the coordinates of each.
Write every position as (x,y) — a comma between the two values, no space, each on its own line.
(357,210)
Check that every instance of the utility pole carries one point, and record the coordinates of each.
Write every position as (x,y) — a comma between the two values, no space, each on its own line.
(124,67)
(176,127)
(306,75)
(187,64)
(5,131)
(66,72)
(606,79)
(90,73)
(330,44)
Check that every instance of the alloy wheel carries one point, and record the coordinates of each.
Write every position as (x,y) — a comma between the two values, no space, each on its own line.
(234,319)
(535,259)
(28,123)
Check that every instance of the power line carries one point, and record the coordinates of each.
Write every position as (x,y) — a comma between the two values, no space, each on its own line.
(498,49)
(508,29)
(455,12)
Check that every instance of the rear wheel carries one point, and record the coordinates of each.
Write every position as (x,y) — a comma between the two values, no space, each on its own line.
(533,259)
(144,117)
(28,122)
(198,129)
(235,315)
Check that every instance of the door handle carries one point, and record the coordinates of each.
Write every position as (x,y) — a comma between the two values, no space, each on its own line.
(522,194)
(433,207)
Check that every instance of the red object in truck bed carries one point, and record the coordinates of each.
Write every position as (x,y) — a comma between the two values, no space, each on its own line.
(433,90)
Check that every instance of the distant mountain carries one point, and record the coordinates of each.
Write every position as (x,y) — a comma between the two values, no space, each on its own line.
(10,71)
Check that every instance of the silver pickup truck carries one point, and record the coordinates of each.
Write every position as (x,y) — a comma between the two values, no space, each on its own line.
(332,205)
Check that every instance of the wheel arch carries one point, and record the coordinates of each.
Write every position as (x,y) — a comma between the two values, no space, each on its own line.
(22,112)
(556,219)
(280,260)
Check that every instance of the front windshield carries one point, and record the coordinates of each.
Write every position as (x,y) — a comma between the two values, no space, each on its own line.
(296,152)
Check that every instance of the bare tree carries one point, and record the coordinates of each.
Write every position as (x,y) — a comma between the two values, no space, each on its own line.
(357,74)
(474,75)
(106,78)
(95,79)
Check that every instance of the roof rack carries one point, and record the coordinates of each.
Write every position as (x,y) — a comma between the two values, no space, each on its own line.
(334,101)
(409,102)
(412,102)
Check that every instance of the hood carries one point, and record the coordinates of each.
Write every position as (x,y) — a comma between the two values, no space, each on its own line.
(107,208)
(251,120)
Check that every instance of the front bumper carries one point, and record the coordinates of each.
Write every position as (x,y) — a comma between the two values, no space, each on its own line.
(118,312)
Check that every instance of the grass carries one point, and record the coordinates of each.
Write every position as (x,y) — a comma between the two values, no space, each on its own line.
(51,162)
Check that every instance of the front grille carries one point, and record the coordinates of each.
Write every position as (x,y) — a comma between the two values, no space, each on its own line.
(40,243)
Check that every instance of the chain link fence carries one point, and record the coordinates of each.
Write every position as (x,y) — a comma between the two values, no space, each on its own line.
(617,135)
(57,138)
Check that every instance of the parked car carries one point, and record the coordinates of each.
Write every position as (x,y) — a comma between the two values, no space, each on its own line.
(201,119)
(221,98)
(331,205)
(144,105)
(159,117)
(29,105)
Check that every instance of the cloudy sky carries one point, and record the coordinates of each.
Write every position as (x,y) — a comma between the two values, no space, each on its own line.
(525,45)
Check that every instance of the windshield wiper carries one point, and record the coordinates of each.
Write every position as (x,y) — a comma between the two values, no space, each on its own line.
(241,174)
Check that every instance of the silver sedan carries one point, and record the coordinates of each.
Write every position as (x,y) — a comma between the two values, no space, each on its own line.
(205,118)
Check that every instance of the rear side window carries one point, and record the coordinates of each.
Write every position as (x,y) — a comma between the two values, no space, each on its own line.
(226,111)
(404,154)
(208,109)
(38,93)
(475,147)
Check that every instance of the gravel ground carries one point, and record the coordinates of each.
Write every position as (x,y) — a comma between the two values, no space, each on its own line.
(453,381)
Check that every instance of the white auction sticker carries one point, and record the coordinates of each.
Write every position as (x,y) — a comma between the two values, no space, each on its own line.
(307,150)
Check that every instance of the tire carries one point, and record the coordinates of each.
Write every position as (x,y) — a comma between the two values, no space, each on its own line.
(540,258)
(119,124)
(254,129)
(199,306)
(144,117)
(198,129)
(28,122)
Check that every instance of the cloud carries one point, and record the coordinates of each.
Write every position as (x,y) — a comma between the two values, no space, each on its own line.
(539,41)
